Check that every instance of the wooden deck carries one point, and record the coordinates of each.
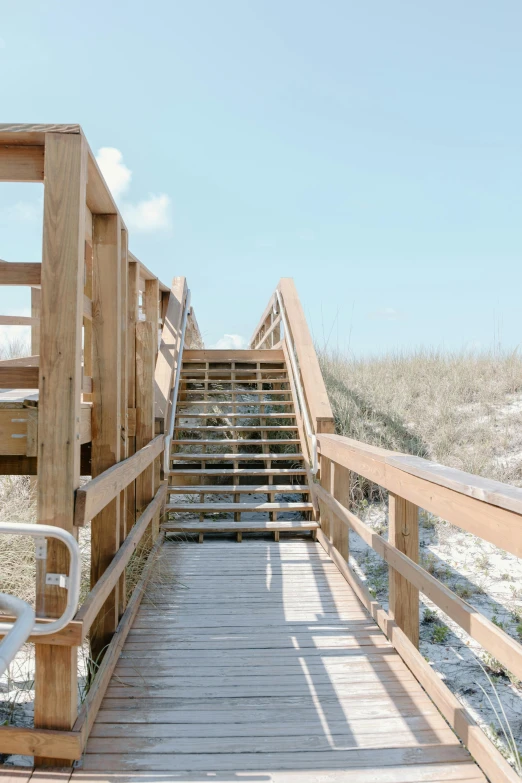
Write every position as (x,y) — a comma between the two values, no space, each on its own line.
(258,661)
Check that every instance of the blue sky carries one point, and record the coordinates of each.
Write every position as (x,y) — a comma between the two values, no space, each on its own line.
(370,150)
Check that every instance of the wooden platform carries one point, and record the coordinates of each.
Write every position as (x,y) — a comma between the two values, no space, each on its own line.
(258,662)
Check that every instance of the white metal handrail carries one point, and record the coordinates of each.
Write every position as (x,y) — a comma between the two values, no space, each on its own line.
(20,629)
(174,394)
(16,632)
(299,386)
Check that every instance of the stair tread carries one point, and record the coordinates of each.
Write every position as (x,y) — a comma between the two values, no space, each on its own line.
(238,508)
(235,415)
(228,489)
(237,472)
(232,428)
(234,402)
(230,442)
(242,456)
(228,526)
(234,371)
(245,391)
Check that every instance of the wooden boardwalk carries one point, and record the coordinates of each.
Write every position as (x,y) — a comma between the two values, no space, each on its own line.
(258,660)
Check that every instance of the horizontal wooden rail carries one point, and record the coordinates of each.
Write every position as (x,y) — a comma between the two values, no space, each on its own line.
(487,634)
(18,320)
(12,273)
(96,598)
(481,748)
(94,496)
(494,520)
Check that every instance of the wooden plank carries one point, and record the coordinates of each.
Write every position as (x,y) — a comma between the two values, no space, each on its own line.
(21,164)
(249,762)
(99,197)
(239,507)
(18,377)
(17,465)
(313,383)
(146,341)
(412,773)
(96,598)
(274,325)
(17,320)
(403,534)
(93,496)
(17,740)
(169,350)
(22,361)
(36,309)
(228,355)
(13,432)
(222,526)
(482,749)
(107,413)
(125,523)
(489,635)
(32,133)
(499,526)
(60,390)
(240,456)
(12,273)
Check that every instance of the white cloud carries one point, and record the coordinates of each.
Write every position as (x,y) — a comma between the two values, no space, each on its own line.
(386,314)
(23,212)
(116,173)
(231,341)
(150,214)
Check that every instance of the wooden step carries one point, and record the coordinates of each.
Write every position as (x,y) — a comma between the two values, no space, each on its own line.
(239,456)
(230,391)
(186,371)
(187,415)
(232,489)
(236,508)
(232,428)
(240,442)
(228,526)
(233,402)
(237,472)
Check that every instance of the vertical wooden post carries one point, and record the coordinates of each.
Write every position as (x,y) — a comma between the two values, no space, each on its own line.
(146,339)
(35,313)
(341,492)
(325,477)
(59,408)
(403,596)
(151,307)
(132,319)
(124,276)
(106,415)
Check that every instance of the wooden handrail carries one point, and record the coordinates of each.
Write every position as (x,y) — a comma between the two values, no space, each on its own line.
(94,496)
(96,598)
(169,350)
(446,493)
(487,634)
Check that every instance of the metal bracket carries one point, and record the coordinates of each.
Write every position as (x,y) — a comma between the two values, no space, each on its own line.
(60,580)
(40,551)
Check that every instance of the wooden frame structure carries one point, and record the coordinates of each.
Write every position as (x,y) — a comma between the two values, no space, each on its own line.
(92,399)
(95,397)
(487,509)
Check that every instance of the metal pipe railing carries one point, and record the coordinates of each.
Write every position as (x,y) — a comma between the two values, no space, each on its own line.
(299,386)
(18,632)
(175,390)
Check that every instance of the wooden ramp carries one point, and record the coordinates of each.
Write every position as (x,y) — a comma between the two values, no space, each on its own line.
(258,662)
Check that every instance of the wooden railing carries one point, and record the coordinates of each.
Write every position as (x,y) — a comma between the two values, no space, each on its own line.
(487,509)
(97,412)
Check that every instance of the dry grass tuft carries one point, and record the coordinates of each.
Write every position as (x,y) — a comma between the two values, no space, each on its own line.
(463,410)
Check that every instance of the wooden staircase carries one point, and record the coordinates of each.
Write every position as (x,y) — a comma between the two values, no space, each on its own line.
(237,462)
